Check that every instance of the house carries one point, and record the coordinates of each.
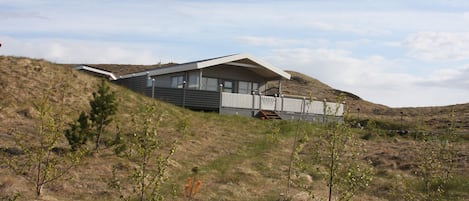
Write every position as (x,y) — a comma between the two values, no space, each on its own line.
(233,84)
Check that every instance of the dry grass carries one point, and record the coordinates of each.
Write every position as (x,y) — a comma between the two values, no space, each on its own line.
(236,159)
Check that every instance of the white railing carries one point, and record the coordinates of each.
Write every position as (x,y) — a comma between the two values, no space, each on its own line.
(237,100)
(258,102)
(293,105)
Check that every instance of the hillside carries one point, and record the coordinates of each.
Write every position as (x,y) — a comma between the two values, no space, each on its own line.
(238,158)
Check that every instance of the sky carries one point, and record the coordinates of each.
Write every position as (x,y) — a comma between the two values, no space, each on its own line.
(400,53)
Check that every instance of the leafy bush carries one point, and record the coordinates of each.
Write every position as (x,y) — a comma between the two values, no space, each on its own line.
(79,132)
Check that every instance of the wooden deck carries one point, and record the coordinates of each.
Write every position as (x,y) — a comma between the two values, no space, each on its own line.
(214,101)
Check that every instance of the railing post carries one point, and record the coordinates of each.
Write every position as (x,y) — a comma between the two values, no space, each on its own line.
(283,102)
(220,105)
(304,105)
(275,102)
(280,87)
(183,94)
(153,88)
(324,103)
(260,101)
(253,106)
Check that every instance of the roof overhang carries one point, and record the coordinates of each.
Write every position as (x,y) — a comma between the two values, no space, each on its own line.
(240,60)
(108,74)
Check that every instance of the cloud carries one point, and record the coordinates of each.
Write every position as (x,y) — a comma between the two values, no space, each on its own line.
(466,16)
(7,15)
(268,41)
(346,28)
(438,46)
(337,66)
(449,78)
(78,51)
(373,78)
(454,3)
(295,42)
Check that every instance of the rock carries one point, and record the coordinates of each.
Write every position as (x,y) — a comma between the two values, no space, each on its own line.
(305,178)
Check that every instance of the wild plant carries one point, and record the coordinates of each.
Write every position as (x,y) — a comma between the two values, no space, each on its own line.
(103,107)
(144,148)
(41,162)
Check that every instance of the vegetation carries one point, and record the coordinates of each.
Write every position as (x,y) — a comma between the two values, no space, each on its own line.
(238,158)
(148,175)
(79,132)
(103,107)
(41,162)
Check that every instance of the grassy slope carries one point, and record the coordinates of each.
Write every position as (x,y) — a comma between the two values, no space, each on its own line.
(217,145)
(236,158)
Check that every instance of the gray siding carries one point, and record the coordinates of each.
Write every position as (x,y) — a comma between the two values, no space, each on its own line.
(193,99)
(137,84)
(170,95)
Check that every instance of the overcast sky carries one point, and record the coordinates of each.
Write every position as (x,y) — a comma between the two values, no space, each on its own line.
(395,52)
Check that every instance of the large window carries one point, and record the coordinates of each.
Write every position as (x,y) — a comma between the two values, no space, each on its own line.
(248,87)
(209,84)
(177,81)
(244,87)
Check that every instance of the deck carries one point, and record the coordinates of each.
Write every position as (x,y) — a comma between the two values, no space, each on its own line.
(244,104)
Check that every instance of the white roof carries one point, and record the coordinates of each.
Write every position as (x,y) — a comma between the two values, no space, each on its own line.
(242,60)
(95,70)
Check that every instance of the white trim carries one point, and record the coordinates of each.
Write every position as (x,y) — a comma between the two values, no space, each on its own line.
(95,70)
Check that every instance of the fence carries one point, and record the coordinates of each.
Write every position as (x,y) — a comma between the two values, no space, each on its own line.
(283,104)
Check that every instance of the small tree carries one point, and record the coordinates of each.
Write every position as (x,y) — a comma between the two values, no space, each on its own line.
(436,159)
(79,132)
(142,145)
(39,163)
(103,106)
(346,174)
(338,150)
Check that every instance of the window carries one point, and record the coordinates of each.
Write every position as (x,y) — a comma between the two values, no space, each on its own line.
(194,80)
(228,86)
(248,87)
(209,84)
(177,81)
(244,87)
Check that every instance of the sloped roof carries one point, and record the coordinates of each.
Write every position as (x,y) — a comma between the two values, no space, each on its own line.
(240,60)
(121,69)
